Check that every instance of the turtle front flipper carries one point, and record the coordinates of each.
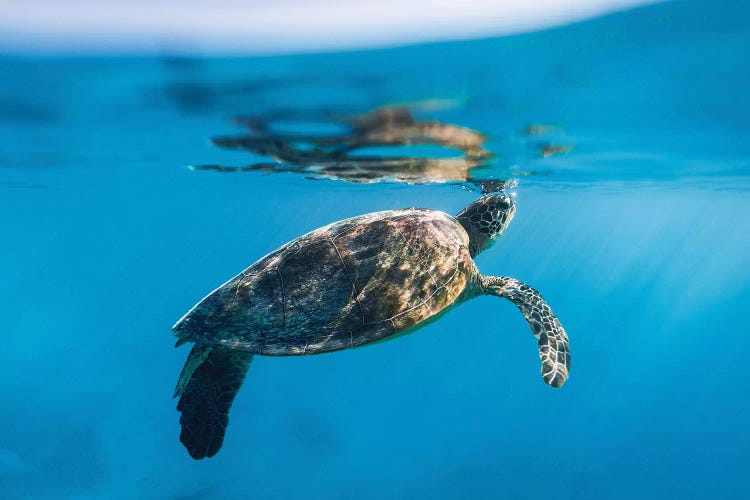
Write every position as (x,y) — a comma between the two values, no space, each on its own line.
(208,384)
(553,341)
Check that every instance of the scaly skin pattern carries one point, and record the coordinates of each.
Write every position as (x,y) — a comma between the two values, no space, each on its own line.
(344,285)
(554,347)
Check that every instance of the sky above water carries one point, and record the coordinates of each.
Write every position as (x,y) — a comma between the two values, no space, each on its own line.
(261,27)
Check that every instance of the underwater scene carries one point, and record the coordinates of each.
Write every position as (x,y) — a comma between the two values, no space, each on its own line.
(607,160)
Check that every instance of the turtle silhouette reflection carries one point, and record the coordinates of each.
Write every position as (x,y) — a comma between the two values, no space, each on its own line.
(339,155)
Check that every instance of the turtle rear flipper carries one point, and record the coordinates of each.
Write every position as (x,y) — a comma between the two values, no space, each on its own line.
(208,384)
(554,349)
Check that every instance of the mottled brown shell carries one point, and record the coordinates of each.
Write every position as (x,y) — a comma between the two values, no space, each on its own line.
(343,285)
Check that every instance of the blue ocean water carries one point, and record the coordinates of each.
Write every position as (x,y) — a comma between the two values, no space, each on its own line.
(638,237)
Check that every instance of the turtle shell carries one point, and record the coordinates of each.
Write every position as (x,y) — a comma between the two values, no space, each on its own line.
(346,284)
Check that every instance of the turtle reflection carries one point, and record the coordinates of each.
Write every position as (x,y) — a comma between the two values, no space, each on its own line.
(384,126)
(413,170)
(339,155)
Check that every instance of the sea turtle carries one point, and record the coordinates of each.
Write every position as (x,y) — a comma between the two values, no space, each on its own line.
(347,284)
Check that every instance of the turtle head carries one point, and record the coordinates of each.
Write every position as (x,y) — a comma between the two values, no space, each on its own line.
(486,219)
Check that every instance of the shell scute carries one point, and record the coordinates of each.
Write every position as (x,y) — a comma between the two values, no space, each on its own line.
(344,285)
(317,289)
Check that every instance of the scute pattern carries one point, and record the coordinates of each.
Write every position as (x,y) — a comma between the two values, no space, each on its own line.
(554,347)
(344,285)
(490,215)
